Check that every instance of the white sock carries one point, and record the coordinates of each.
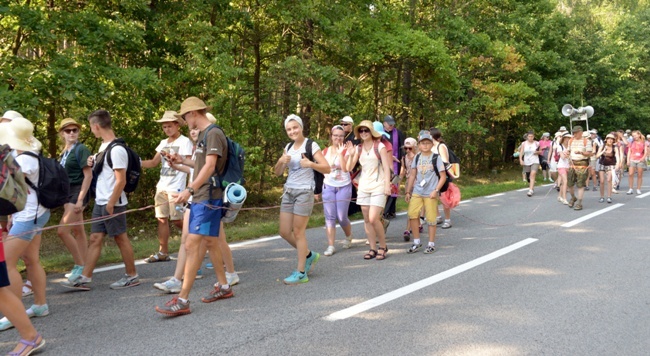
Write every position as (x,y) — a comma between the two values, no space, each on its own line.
(448,221)
(416,241)
(182,300)
(225,286)
(432,244)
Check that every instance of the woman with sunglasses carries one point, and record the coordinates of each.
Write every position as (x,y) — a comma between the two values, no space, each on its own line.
(73,158)
(609,161)
(337,190)
(374,184)
(298,197)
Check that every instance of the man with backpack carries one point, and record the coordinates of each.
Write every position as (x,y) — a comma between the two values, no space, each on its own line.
(580,149)
(396,137)
(206,208)
(110,166)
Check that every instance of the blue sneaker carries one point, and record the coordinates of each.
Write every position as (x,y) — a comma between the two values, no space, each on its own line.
(209,266)
(311,261)
(296,278)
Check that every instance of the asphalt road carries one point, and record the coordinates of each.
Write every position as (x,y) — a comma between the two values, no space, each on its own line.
(514,276)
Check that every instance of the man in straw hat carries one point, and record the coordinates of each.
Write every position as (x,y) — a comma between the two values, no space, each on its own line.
(110,199)
(205,211)
(171,181)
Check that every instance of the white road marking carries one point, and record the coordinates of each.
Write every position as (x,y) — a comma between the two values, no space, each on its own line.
(398,293)
(643,195)
(465,201)
(495,195)
(522,190)
(592,215)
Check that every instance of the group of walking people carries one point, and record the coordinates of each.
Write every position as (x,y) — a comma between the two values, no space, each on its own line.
(576,157)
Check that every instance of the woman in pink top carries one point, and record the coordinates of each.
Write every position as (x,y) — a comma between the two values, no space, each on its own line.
(636,155)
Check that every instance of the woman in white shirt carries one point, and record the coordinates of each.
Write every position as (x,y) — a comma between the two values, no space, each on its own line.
(529,158)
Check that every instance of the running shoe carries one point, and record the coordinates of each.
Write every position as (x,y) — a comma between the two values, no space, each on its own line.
(157,257)
(296,278)
(329,251)
(429,250)
(174,307)
(126,282)
(630,192)
(209,266)
(232,278)
(407,235)
(446,225)
(565,202)
(439,220)
(38,311)
(601,200)
(311,262)
(609,200)
(638,191)
(414,248)
(5,324)
(80,283)
(171,286)
(530,192)
(218,293)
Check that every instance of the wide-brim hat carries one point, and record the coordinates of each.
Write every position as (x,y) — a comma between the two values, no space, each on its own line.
(367,124)
(566,134)
(10,115)
(68,122)
(19,135)
(379,127)
(170,116)
(192,104)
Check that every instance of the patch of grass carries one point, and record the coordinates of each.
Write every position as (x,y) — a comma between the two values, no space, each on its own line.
(250,223)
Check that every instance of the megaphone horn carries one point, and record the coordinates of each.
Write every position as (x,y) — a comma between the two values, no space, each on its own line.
(589,110)
(567,110)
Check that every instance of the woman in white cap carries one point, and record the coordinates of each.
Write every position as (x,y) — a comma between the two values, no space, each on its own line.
(374,184)
(609,160)
(337,190)
(298,197)
(24,239)
(74,159)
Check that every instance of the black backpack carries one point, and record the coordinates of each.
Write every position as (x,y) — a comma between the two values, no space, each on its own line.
(53,186)
(434,160)
(318,176)
(233,171)
(133,169)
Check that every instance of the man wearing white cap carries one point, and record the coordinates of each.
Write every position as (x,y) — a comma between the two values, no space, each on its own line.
(348,128)
(171,181)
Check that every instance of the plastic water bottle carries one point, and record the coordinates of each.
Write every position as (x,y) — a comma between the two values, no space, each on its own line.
(180,207)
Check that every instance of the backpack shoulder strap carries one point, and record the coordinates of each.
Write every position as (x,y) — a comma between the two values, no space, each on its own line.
(77,147)
(308,152)
(375,147)
(107,152)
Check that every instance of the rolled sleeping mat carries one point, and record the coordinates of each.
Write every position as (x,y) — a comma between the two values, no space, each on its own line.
(234,198)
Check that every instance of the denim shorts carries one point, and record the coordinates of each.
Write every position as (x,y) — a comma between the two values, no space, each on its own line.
(26,230)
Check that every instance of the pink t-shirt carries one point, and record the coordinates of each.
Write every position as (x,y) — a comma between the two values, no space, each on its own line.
(636,151)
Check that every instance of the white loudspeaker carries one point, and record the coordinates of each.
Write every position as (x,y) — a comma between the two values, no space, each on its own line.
(567,110)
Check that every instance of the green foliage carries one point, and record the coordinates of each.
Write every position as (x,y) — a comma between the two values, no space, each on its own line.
(483,71)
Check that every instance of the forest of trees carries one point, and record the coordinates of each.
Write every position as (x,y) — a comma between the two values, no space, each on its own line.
(484,71)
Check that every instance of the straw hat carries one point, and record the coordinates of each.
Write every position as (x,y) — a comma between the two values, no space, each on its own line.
(19,135)
(67,122)
(170,116)
(367,124)
(192,104)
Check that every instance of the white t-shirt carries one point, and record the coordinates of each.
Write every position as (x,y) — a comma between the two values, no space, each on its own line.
(300,178)
(372,174)
(29,167)
(562,162)
(336,177)
(106,178)
(530,157)
(172,180)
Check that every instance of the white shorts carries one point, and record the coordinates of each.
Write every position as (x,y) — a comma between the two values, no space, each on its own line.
(373,199)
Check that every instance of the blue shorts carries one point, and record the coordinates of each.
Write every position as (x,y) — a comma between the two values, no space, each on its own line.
(205,217)
(26,230)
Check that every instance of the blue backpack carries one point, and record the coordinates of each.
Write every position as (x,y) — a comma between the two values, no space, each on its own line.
(233,171)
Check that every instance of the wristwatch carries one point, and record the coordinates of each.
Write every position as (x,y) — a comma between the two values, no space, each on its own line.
(191,190)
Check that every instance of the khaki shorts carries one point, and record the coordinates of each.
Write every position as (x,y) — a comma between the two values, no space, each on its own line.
(371,199)
(165,206)
(637,164)
(297,201)
(430,208)
(578,176)
(531,168)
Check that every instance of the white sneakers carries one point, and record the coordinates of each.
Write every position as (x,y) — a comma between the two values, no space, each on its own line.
(330,251)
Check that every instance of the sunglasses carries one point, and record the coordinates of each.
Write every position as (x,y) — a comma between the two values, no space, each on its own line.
(364,131)
(408,148)
(69,131)
(345,124)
